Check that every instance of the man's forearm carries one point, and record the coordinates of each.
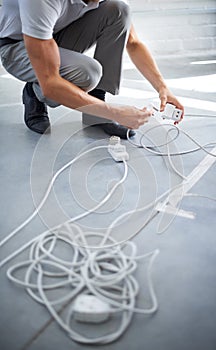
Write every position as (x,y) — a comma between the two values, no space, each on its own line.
(66,93)
(69,95)
(146,64)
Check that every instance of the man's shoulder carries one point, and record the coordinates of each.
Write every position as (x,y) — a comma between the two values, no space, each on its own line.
(38,18)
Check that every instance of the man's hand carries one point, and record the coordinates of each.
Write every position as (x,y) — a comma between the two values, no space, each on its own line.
(132,117)
(166,96)
(129,116)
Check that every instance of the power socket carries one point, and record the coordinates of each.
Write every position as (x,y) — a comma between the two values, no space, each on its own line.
(171,112)
(90,309)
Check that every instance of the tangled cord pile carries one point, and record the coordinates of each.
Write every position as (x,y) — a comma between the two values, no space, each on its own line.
(106,273)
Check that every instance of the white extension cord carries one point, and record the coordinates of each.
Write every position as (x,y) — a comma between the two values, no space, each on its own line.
(78,217)
(99,280)
(152,148)
(97,284)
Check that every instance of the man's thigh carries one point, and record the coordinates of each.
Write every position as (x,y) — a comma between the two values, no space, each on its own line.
(75,67)
(16,61)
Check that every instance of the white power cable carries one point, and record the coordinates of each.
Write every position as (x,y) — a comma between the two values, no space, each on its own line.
(171,162)
(152,150)
(167,143)
(103,271)
(78,217)
(104,237)
(106,274)
(200,147)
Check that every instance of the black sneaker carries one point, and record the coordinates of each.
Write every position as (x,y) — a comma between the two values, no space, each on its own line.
(36,115)
(115,129)
(110,128)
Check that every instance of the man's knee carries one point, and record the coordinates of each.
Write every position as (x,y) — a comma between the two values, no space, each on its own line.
(119,10)
(92,73)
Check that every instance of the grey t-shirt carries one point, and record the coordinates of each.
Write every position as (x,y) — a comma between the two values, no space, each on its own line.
(39,18)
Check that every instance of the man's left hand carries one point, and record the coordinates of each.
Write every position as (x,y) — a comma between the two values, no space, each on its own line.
(166,96)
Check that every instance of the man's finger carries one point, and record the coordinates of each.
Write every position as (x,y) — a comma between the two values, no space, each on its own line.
(163,103)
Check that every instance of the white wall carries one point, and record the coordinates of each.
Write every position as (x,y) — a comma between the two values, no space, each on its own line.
(176,27)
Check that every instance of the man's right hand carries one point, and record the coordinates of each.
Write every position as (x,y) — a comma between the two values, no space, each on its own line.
(128,116)
(132,117)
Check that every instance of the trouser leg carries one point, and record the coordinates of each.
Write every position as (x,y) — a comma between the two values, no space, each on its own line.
(106,27)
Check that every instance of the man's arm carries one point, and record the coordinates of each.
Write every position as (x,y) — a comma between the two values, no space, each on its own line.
(146,64)
(45,59)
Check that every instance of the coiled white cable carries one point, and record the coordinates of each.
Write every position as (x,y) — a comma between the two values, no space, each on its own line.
(105,273)
(117,286)
(84,274)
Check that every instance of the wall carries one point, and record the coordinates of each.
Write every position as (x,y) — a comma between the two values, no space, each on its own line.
(176,27)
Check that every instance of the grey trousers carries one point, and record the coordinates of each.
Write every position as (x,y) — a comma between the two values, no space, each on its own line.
(106,26)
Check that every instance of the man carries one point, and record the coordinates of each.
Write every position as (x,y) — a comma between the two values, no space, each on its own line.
(42,43)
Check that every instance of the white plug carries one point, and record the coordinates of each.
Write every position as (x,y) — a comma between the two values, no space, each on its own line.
(117,150)
(90,309)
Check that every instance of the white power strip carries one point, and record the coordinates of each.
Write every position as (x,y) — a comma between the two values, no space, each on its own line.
(117,150)
(171,112)
(90,309)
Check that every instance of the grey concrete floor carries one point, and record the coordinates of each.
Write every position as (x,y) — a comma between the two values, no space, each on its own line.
(184,273)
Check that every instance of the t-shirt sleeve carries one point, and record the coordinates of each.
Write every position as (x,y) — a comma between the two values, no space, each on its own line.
(38,17)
